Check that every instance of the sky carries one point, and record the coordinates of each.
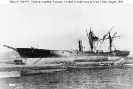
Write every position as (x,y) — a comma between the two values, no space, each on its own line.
(59,26)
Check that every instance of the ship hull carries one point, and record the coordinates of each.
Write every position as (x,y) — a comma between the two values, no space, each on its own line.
(45,53)
(67,54)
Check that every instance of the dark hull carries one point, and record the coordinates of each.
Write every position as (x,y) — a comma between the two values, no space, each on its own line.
(45,53)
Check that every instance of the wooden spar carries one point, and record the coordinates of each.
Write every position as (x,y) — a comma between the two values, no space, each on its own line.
(110,39)
(92,39)
(10,47)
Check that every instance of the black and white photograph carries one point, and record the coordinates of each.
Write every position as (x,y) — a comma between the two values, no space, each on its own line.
(66,44)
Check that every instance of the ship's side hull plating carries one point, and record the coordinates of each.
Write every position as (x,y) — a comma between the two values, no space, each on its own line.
(45,53)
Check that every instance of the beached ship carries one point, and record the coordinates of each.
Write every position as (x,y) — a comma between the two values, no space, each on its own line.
(79,55)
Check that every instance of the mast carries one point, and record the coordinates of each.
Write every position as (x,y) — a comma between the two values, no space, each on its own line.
(110,42)
(92,39)
(111,38)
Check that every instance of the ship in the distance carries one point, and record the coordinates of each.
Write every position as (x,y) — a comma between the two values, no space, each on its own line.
(78,55)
